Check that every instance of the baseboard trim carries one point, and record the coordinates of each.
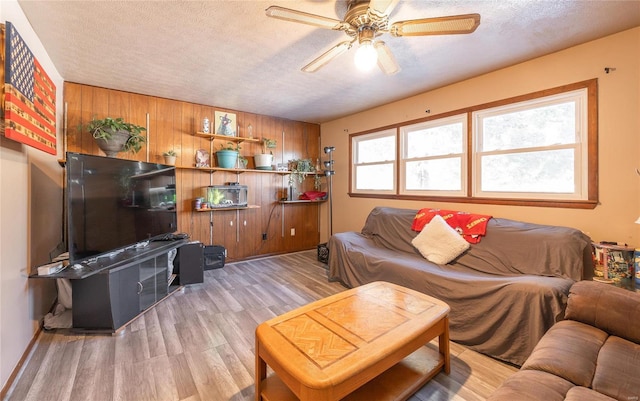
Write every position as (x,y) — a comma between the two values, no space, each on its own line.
(25,357)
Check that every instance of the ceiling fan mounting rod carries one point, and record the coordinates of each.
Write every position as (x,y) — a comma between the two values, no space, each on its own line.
(366,34)
(358,16)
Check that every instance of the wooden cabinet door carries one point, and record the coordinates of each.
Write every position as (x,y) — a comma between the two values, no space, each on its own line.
(225,231)
(250,234)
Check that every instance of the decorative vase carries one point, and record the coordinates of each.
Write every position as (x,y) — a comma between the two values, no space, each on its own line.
(205,125)
(171,160)
(227,158)
(112,146)
(263,161)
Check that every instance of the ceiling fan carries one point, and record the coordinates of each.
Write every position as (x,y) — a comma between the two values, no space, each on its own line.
(365,21)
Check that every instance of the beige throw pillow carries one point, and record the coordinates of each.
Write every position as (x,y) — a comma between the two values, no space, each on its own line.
(439,243)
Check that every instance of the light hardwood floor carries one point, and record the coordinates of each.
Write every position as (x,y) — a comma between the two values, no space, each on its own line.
(198,344)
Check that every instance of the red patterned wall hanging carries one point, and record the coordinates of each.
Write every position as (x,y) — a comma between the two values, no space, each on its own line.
(30,96)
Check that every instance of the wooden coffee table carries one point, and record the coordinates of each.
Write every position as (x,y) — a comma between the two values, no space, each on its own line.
(365,343)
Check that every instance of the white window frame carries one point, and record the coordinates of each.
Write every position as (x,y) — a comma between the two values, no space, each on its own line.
(585,152)
(404,159)
(355,140)
(580,147)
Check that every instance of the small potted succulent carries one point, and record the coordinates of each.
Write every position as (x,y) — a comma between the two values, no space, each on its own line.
(114,135)
(242,162)
(170,157)
(264,160)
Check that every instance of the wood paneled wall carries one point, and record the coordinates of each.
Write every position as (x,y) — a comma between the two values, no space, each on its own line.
(172,125)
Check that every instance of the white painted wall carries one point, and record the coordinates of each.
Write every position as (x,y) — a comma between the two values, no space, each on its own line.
(30,218)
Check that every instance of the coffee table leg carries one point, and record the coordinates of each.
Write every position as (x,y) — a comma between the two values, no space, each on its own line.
(261,370)
(443,345)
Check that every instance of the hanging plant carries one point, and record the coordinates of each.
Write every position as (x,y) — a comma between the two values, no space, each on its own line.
(299,169)
(108,129)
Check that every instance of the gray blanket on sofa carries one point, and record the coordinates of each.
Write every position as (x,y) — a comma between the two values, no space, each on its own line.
(504,292)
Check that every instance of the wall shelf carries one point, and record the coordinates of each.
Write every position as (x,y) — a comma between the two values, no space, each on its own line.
(222,209)
(238,139)
(233,170)
(302,201)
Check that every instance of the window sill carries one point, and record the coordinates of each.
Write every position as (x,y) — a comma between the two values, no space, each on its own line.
(567,204)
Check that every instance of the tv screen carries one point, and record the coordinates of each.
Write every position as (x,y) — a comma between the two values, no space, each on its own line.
(115,203)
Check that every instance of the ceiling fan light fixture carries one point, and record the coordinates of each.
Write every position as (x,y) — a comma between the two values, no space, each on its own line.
(366,56)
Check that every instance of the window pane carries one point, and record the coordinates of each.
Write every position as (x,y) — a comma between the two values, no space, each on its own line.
(375,177)
(443,140)
(375,150)
(548,171)
(542,126)
(438,175)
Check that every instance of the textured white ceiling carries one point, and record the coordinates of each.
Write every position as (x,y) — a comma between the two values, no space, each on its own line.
(229,54)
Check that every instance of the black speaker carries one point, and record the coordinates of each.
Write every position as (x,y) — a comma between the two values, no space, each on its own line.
(214,257)
(189,263)
(323,253)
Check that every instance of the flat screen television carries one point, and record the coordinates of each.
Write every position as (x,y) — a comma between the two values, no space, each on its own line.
(116,203)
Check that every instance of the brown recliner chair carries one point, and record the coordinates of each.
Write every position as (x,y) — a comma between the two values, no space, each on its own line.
(594,354)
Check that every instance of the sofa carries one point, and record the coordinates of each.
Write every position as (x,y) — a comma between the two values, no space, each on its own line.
(594,354)
(505,292)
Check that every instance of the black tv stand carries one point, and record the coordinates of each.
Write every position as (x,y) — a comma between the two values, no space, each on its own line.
(111,291)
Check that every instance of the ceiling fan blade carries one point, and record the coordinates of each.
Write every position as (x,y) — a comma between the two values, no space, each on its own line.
(454,24)
(386,61)
(303,18)
(382,7)
(327,56)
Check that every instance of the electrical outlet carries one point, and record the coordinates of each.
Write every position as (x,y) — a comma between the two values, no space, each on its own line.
(264,236)
(293,232)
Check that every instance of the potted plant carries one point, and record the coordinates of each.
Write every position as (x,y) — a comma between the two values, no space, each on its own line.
(243,162)
(114,135)
(264,160)
(170,157)
(299,169)
(228,155)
